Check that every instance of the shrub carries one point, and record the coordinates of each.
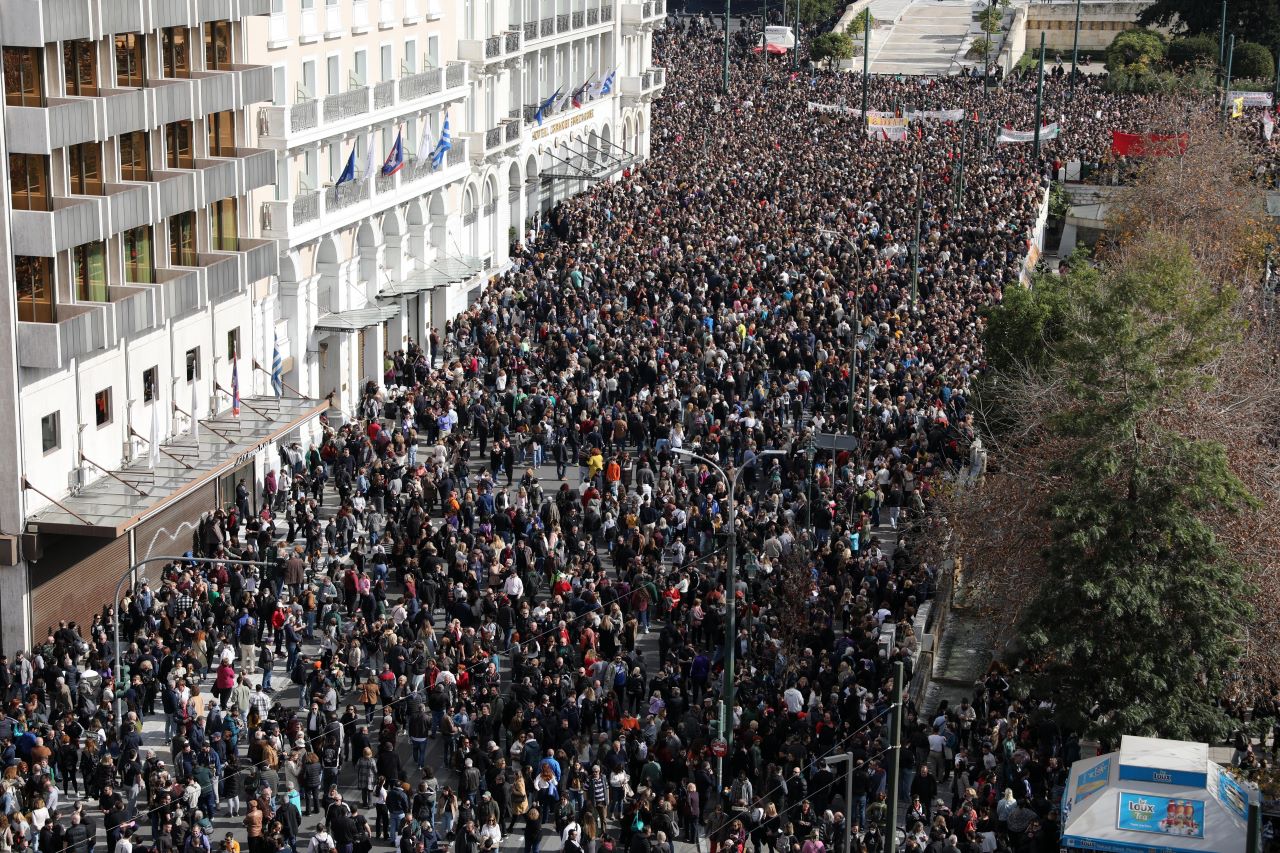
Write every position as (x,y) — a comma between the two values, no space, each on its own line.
(1192,50)
(1135,51)
(1252,60)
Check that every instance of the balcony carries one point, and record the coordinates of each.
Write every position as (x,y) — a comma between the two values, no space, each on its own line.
(579,20)
(139,308)
(644,86)
(217,91)
(220,271)
(216,180)
(494,141)
(606,14)
(511,41)
(562,22)
(353,102)
(34,23)
(215,10)
(593,17)
(171,13)
(637,14)
(172,100)
(77,331)
(125,110)
(530,31)
(429,82)
(175,192)
(255,83)
(182,288)
(255,168)
(72,222)
(547,27)
(304,116)
(492,49)
(384,94)
(257,259)
(128,205)
(40,130)
(121,16)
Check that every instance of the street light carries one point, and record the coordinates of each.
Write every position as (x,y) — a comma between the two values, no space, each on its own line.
(730,625)
(116,608)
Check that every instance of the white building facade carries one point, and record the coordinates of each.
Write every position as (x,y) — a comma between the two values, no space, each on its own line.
(369,260)
(136,285)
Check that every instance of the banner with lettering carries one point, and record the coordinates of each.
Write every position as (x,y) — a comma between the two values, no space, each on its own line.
(831,108)
(887,133)
(1049,131)
(1252,99)
(937,115)
(886,120)
(1149,813)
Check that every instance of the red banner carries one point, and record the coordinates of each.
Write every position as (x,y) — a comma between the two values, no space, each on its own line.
(1147,144)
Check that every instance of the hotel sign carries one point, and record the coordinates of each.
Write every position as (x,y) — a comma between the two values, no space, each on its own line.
(564,124)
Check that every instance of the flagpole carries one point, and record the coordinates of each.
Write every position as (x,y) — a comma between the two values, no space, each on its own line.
(725,84)
(795,39)
(1226,87)
(1075,47)
(1222,38)
(1039,97)
(866,65)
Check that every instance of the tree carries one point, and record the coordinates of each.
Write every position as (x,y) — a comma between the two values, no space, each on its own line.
(1139,622)
(860,22)
(831,48)
(1259,18)
(1135,52)
(1252,61)
(817,11)
(1191,50)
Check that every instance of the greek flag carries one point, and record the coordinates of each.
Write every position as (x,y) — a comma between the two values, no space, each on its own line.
(606,86)
(277,366)
(442,147)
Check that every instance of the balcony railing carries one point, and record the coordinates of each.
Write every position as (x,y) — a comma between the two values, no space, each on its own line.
(456,155)
(183,290)
(137,308)
(306,207)
(562,22)
(493,47)
(77,331)
(511,130)
(579,20)
(346,195)
(304,115)
(593,17)
(384,94)
(548,27)
(353,102)
(420,84)
(492,138)
(513,41)
(606,14)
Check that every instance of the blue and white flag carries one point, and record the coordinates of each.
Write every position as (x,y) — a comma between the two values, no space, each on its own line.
(395,160)
(606,85)
(546,105)
(277,366)
(442,147)
(348,171)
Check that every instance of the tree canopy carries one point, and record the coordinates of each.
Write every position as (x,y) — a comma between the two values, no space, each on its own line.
(1259,18)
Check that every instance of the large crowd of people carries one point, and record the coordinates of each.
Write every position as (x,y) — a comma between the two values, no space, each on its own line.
(447,647)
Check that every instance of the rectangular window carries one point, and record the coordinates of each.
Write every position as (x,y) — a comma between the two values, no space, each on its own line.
(131,60)
(193,364)
(139,255)
(182,239)
(177,145)
(222,222)
(23,77)
(175,52)
(80,63)
(89,266)
(34,288)
(51,432)
(150,382)
(334,79)
(233,344)
(102,407)
(217,45)
(29,181)
(135,162)
(222,133)
(411,56)
(84,166)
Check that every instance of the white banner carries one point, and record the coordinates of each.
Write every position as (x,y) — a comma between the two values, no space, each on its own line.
(831,108)
(1252,99)
(1268,126)
(887,133)
(939,115)
(910,115)
(1049,131)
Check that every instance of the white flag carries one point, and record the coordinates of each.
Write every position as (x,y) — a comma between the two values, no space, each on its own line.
(424,141)
(368,158)
(195,418)
(153,450)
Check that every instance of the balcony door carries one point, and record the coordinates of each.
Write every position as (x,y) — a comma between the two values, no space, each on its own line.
(80,63)
(182,239)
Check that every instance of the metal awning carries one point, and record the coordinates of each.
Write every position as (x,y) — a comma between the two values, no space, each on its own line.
(122,499)
(442,272)
(357,318)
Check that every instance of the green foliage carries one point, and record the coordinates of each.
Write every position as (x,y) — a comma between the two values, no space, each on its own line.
(860,22)
(979,48)
(1135,630)
(992,19)
(1252,60)
(1135,52)
(1260,19)
(1199,78)
(817,11)
(831,47)
(1059,201)
(1191,50)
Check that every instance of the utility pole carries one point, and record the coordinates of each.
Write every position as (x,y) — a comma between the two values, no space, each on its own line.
(1075,47)
(725,85)
(895,748)
(845,758)
(915,243)
(1226,86)
(866,68)
(853,358)
(986,53)
(1039,97)
(1222,38)
(795,38)
(964,135)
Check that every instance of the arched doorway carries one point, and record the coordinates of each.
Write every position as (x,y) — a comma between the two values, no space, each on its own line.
(489,217)
(532,184)
(470,222)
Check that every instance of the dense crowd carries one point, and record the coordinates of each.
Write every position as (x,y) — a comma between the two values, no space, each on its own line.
(470,647)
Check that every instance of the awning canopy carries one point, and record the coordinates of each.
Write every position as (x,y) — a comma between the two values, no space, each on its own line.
(441,272)
(120,500)
(357,318)
(1156,796)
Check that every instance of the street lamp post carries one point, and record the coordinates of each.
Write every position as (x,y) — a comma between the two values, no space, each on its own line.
(730,622)
(1075,47)
(116,608)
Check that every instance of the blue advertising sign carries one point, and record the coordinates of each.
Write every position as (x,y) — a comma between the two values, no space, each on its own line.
(1092,780)
(1076,842)
(1162,815)
(1233,795)
(1155,775)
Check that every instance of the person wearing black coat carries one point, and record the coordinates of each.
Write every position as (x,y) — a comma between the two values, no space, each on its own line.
(389,766)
